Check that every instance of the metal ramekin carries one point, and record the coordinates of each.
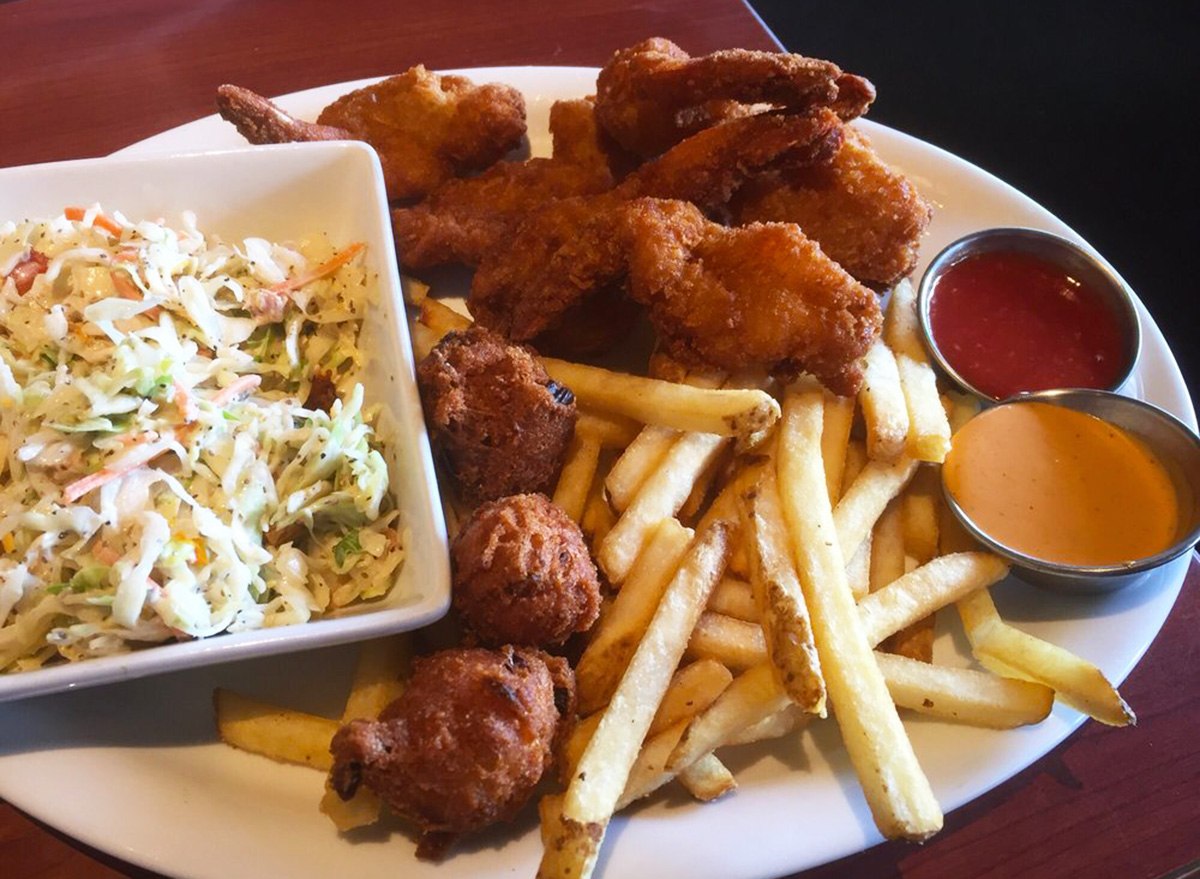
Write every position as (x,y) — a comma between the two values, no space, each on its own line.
(1076,261)
(1174,443)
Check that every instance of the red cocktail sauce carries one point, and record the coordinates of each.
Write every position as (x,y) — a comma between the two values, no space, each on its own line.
(1012,322)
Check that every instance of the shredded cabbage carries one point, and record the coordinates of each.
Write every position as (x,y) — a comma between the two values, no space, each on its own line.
(163,472)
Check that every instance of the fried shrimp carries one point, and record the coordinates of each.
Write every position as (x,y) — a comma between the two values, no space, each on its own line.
(260,121)
(762,295)
(566,254)
(865,215)
(426,128)
(653,95)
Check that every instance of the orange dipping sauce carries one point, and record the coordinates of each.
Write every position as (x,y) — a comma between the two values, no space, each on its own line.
(1061,486)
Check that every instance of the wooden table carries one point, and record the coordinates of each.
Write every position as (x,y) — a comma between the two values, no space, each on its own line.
(83,79)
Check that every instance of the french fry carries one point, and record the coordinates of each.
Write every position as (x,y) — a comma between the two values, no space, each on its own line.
(569,848)
(835,436)
(735,598)
(647,450)
(856,460)
(929,430)
(707,779)
(575,480)
(423,340)
(279,733)
(641,458)
(858,570)
(1008,651)
(598,517)
(919,514)
(883,405)
(791,718)
(896,789)
(414,290)
(608,431)
(615,638)
(726,508)
(739,412)
(660,497)
(753,696)
(441,318)
(887,547)
(965,695)
(920,592)
(786,630)
(734,643)
(361,810)
(693,688)
(380,676)
(603,771)
(703,485)
(649,770)
(864,502)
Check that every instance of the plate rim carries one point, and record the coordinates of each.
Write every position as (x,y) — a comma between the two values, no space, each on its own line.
(951,802)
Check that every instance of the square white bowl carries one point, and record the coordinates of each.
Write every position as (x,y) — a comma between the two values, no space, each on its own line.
(280,193)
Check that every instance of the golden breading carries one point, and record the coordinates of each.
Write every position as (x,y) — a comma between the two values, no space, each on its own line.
(758,296)
(429,128)
(496,418)
(865,215)
(466,743)
(653,95)
(523,573)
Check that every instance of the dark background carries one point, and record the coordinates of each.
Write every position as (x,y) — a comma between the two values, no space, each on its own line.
(1084,107)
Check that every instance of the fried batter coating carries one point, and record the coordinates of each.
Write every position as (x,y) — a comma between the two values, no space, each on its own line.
(466,743)
(709,167)
(567,252)
(555,259)
(463,219)
(523,573)
(260,121)
(652,95)
(429,128)
(498,420)
(865,215)
(761,296)
(579,140)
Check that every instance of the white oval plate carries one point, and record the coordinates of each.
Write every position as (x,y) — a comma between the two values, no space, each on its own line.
(135,769)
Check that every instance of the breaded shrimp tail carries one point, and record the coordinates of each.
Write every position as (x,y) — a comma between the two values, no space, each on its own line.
(260,121)
(652,95)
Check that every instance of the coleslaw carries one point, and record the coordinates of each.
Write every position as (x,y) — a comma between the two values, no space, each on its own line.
(184,447)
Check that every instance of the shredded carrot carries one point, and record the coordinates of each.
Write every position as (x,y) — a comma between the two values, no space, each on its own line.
(183,401)
(108,225)
(201,552)
(105,554)
(124,286)
(324,270)
(235,389)
(9,543)
(125,256)
(80,487)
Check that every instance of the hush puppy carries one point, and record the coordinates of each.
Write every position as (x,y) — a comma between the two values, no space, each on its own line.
(523,574)
(466,743)
(498,420)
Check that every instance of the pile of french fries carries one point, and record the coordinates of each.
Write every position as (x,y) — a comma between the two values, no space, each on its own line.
(775,550)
